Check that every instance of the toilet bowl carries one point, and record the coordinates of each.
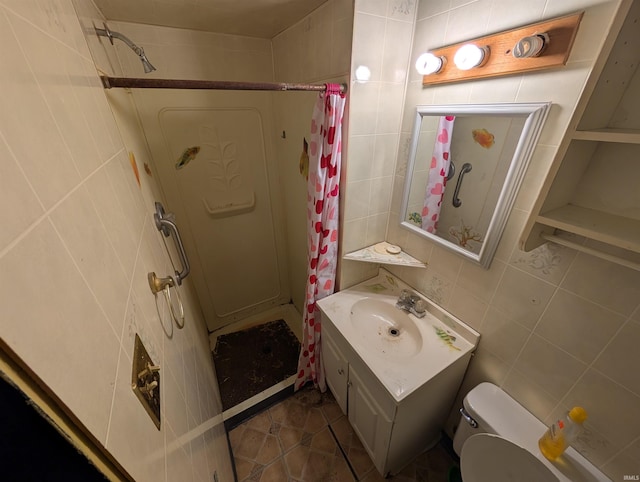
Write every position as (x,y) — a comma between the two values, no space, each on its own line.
(497,440)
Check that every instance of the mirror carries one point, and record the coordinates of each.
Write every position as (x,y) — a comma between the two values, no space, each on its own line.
(466,164)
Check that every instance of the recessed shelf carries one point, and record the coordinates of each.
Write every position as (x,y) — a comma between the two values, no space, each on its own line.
(600,226)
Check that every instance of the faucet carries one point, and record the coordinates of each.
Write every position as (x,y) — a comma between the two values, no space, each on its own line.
(411,302)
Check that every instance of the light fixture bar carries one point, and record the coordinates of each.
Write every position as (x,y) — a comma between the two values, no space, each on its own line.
(559,34)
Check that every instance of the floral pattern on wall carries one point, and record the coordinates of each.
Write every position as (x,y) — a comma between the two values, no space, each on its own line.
(466,236)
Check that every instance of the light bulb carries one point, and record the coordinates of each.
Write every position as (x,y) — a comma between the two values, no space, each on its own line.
(363,73)
(428,64)
(469,56)
(530,46)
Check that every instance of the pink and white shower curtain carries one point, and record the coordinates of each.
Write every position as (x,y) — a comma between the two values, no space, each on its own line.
(438,171)
(323,187)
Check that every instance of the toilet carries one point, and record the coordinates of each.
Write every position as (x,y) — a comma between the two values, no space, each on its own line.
(497,440)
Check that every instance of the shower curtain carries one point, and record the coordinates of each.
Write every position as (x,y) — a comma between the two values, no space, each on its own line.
(322,226)
(437,179)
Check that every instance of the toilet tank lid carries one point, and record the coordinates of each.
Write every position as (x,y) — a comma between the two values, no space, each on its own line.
(498,413)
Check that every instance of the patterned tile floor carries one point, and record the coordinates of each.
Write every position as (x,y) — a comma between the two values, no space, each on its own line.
(297,440)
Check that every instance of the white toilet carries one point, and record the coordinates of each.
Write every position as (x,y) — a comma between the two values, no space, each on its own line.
(497,440)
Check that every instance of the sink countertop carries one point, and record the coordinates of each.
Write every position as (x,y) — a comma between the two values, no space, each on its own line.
(401,377)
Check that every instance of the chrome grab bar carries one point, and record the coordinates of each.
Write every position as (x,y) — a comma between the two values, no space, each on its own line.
(166,225)
(452,171)
(466,167)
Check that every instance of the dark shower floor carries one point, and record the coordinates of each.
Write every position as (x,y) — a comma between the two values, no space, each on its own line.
(248,362)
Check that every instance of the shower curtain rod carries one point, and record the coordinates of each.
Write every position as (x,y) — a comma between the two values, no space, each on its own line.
(110,82)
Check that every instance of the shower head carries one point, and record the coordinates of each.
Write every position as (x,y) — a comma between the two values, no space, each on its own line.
(105,32)
(145,63)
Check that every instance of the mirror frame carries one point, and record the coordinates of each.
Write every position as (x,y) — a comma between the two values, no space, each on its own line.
(536,114)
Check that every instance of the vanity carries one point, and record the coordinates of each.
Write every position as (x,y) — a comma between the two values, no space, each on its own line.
(393,374)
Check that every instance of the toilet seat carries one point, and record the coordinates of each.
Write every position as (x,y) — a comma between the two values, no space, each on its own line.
(490,458)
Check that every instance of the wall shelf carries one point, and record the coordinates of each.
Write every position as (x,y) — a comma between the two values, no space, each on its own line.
(592,186)
(626,136)
(597,225)
(378,253)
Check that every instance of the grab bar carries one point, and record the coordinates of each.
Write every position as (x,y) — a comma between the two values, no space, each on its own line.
(166,225)
(452,171)
(466,167)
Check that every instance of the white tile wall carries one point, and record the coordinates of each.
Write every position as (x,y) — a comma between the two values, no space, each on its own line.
(383,31)
(76,245)
(521,305)
(558,329)
(317,50)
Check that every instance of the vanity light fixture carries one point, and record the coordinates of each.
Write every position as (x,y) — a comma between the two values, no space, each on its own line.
(537,46)
(428,64)
(470,56)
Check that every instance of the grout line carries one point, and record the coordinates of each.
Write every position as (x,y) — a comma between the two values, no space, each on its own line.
(53,207)
(532,332)
(344,455)
(48,33)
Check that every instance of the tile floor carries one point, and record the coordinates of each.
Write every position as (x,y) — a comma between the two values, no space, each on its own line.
(304,437)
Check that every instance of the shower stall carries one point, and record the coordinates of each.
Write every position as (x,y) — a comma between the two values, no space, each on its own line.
(227,161)
(216,165)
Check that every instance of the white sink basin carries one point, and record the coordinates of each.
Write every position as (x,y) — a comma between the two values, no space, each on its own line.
(403,351)
(386,329)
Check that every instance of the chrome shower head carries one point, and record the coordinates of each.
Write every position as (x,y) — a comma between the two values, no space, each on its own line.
(145,63)
(105,32)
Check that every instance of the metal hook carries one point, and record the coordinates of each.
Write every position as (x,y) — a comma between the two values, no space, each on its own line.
(158,284)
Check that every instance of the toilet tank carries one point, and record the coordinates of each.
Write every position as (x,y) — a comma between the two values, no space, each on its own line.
(496,412)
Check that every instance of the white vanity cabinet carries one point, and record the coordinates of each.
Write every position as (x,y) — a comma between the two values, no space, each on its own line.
(397,403)
(592,187)
(336,369)
(359,395)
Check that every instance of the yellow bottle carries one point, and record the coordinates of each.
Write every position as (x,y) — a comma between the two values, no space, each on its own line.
(564,431)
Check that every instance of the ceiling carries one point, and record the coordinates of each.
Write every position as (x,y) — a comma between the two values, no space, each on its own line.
(253,18)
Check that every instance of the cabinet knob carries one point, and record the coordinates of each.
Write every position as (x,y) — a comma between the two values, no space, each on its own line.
(340,371)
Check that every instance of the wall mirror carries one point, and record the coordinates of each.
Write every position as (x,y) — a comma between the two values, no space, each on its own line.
(466,164)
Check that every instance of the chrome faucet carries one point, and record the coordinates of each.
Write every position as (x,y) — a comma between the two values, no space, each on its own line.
(411,302)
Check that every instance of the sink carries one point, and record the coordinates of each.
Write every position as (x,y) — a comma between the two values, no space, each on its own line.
(402,351)
(386,329)
(491,457)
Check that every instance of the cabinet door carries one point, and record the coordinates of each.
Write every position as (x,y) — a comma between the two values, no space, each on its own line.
(336,370)
(368,420)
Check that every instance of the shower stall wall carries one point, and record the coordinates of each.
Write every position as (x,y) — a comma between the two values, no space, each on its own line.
(213,154)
